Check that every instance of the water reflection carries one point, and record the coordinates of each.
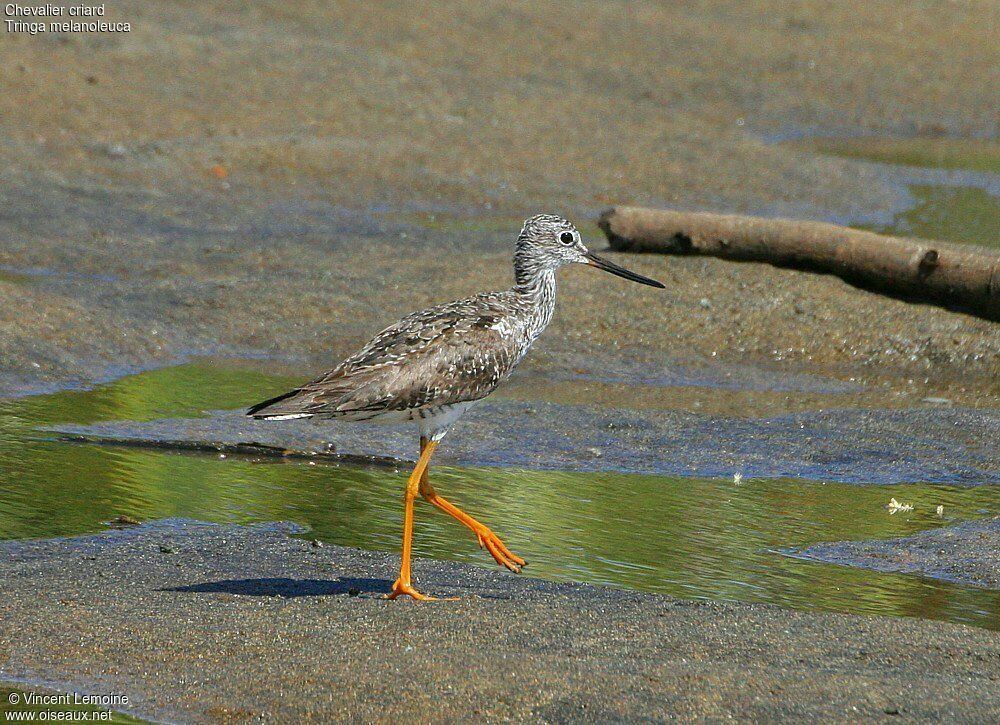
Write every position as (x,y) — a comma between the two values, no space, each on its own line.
(688,537)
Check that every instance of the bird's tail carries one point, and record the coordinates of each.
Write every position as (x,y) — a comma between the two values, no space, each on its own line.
(270,410)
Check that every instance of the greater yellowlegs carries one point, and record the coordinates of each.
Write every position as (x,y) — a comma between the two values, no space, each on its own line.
(432,366)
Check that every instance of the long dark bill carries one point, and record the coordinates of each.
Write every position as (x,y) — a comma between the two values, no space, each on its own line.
(601,263)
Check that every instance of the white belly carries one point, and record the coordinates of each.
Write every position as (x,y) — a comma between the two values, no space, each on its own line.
(436,421)
(433,422)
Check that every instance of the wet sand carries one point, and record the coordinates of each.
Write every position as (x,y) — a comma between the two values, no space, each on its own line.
(852,446)
(273,627)
(965,553)
(376,161)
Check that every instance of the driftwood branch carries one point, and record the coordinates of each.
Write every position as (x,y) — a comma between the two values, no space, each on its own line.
(948,274)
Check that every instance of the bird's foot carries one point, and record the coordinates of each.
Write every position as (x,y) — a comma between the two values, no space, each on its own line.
(499,551)
(400,588)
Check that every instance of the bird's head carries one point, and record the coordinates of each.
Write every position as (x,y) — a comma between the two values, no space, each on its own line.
(547,242)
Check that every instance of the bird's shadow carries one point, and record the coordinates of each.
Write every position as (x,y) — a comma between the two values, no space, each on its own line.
(288,588)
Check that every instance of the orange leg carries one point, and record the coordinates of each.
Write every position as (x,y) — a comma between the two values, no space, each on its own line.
(403,585)
(487,539)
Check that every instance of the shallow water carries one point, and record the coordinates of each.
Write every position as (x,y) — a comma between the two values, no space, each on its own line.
(926,152)
(959,211)
(689,537)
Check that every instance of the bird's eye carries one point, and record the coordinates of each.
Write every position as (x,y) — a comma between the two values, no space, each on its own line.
(567,238)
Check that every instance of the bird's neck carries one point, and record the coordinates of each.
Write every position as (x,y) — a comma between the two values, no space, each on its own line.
(536,288)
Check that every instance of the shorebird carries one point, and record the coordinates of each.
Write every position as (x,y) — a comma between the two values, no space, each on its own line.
(433,365)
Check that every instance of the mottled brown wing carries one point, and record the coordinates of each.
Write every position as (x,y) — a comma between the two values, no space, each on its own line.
(437,357)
